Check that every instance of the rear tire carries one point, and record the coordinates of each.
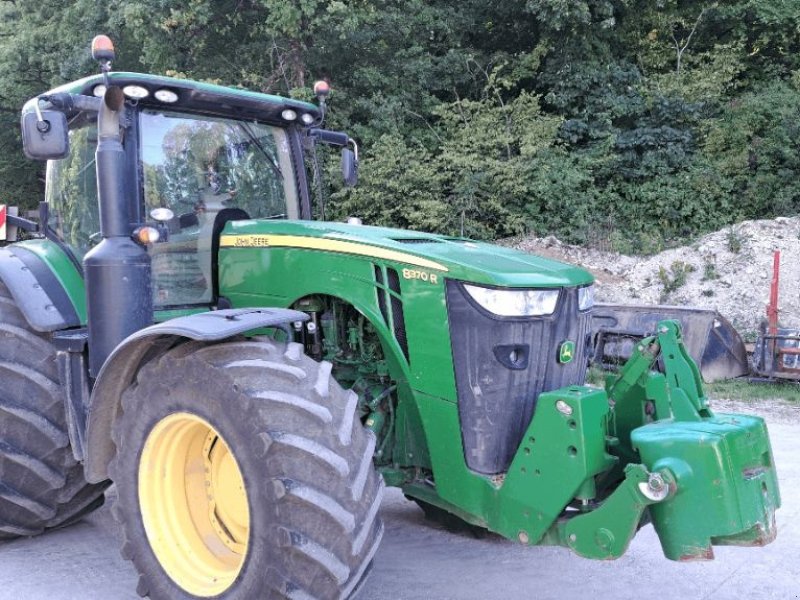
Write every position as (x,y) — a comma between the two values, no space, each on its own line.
(311,527)
(41,484)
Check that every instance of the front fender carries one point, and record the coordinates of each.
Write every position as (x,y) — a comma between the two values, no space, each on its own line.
(120,369)
(38,293)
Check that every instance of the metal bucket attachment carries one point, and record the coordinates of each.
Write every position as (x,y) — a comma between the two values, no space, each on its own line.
(710,339)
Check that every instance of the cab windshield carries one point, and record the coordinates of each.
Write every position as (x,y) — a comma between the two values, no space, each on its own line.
(200,165)
(195,166)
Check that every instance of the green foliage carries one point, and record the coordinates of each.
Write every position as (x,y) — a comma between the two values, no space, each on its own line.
(38,51)
(710,269)
(755,147)
(623,124)
(674,278)
(471,179)
(735,240)
(741,389)
(399,186)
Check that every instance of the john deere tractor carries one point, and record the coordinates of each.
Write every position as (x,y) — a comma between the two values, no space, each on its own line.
(249,379)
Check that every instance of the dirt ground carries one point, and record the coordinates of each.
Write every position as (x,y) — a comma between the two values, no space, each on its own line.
(418,561)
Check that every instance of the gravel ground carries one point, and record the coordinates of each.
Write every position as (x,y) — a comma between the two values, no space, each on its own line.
(418,561)
(729,270)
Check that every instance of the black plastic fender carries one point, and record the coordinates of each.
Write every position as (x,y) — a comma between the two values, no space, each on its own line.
(36,290)
(128,357)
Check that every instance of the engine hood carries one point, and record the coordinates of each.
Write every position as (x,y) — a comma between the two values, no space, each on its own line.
(455,258)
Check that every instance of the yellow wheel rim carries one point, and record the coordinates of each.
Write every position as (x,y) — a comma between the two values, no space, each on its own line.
(194,504)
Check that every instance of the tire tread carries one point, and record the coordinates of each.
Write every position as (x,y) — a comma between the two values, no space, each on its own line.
(43,485)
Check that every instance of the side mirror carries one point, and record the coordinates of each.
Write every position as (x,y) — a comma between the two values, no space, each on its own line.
(45,135)
(349,167)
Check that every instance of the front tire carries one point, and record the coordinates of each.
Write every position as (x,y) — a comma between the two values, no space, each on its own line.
(42,486)
(243,472)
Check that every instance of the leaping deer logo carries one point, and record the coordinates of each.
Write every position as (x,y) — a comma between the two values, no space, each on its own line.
(567,351)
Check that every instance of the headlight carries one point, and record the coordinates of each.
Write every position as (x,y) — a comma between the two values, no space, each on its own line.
(515,303)
(586,297)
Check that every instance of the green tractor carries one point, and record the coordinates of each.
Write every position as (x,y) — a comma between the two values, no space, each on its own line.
(250,379)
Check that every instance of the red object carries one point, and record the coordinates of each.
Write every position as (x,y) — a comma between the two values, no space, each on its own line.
(322,88)
(772,307)
(102,48)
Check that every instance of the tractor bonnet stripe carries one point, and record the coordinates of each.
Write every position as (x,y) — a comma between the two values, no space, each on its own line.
(313,243)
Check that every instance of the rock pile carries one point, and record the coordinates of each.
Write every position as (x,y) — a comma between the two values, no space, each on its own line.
(729,270)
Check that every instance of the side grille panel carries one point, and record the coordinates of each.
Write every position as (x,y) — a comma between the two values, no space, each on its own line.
(381,294)
(398,318)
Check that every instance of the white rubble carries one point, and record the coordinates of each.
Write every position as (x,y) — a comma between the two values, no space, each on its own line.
(729,270)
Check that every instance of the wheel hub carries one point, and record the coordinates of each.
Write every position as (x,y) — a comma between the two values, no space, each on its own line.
(194,504)
(227,498)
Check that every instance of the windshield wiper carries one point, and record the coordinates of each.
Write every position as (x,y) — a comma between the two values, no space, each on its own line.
(274,163)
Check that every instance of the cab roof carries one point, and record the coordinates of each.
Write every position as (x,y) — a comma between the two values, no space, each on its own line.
(196,96)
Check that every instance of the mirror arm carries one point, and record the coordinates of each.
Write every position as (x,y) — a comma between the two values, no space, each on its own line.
(68,102)
(331,138)
(22,223)
(46,230)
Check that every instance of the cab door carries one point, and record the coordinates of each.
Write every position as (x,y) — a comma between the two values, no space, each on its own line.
(204,170)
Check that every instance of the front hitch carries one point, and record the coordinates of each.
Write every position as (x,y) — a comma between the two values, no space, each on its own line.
(594,466)
(727,487)
(605,533)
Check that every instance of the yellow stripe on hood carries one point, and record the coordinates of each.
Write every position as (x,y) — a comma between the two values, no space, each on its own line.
(256,240)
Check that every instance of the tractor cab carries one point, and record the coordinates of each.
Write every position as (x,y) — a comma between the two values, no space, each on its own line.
(196,156)
(145,171)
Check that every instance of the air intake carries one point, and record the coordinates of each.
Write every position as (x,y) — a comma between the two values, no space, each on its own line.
(417,240)
(398,318)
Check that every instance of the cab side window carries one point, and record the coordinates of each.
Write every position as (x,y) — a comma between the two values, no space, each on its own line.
(196,167)
(71,190)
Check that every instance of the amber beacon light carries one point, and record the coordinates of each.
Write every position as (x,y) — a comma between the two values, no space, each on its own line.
(102,48)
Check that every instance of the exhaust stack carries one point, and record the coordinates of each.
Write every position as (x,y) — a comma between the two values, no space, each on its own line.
(117,271)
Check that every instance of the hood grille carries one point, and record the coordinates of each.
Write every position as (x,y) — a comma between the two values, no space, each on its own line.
(502,364)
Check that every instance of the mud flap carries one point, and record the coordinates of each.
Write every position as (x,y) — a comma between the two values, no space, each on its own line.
(710,339)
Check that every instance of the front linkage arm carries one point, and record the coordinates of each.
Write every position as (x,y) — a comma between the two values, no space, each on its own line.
(650,444)
(676,393)
(721,464)
(606,531)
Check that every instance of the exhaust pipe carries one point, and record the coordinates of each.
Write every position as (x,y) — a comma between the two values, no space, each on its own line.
(119,299)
